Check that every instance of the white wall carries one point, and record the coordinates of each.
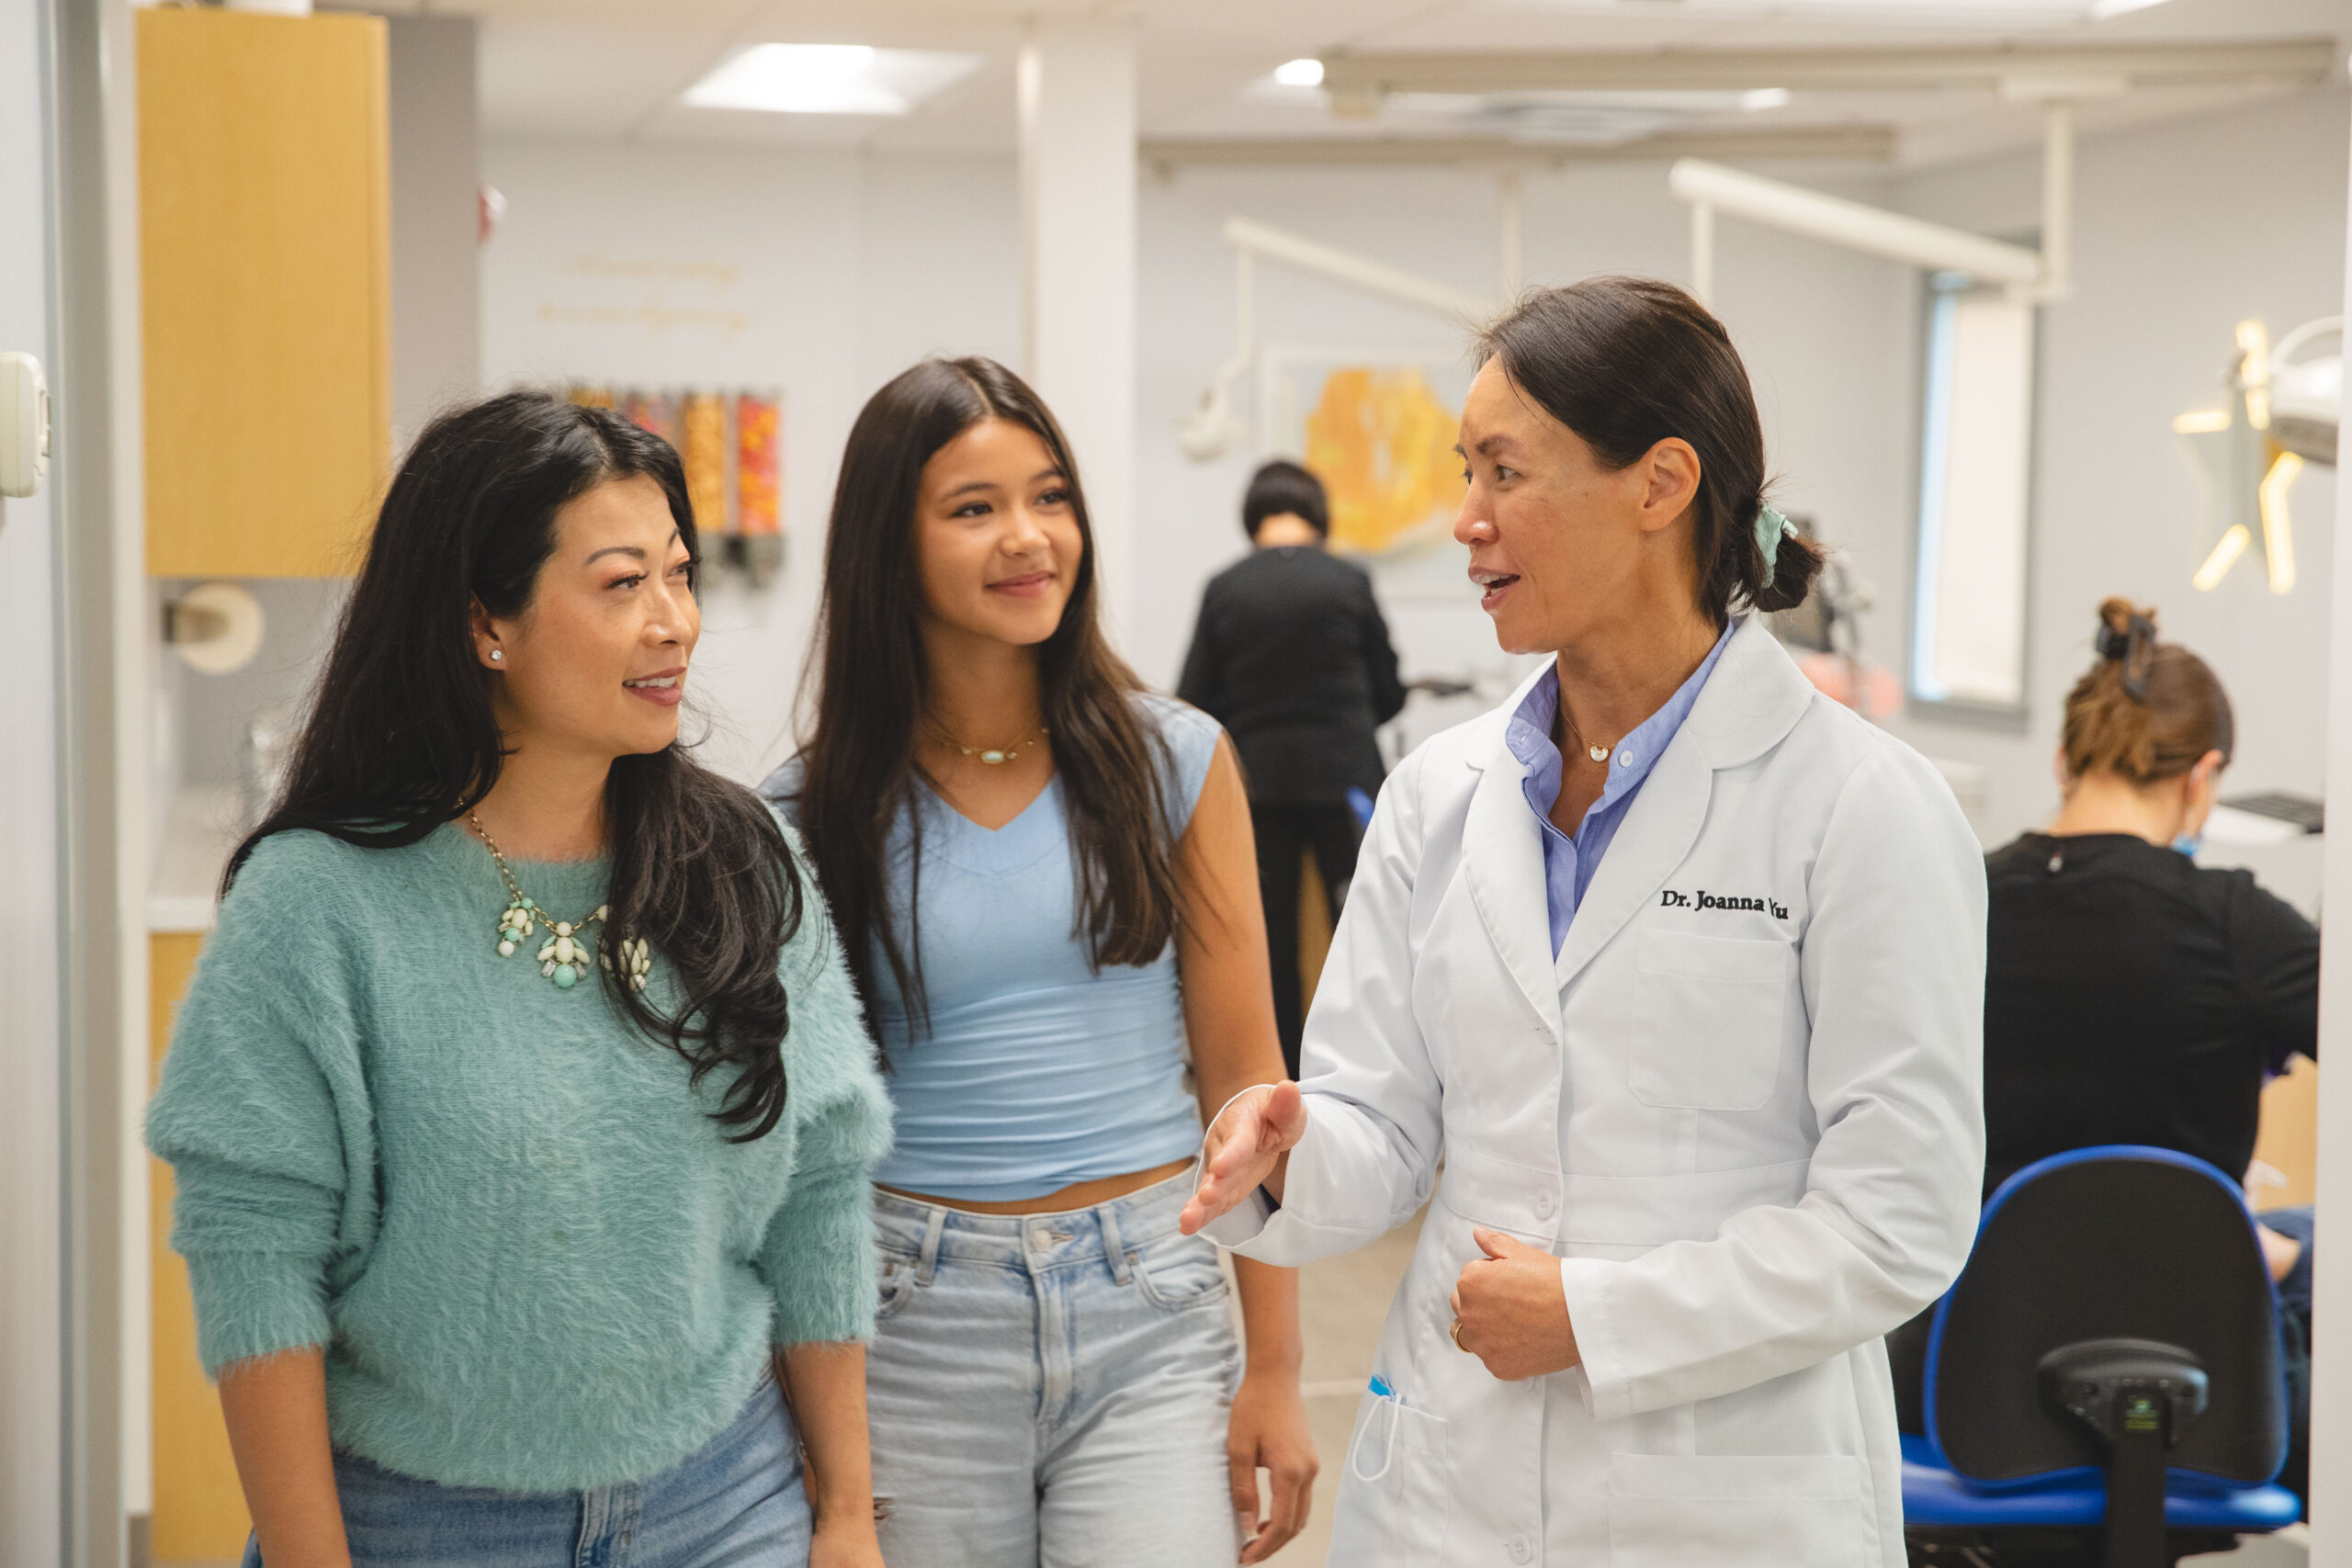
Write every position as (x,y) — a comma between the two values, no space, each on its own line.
(714,269)
(2181,231)
(845,268)
(830,272)
(31,1111)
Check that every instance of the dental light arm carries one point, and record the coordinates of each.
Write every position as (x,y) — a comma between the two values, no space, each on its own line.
(1211,427)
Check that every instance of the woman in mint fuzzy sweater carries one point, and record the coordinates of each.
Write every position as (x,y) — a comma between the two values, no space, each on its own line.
(522,1111)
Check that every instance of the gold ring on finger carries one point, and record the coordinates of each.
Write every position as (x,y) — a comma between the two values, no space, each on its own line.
(1455,1332)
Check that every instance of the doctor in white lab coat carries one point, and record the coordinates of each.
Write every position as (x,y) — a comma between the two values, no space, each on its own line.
(1662,984)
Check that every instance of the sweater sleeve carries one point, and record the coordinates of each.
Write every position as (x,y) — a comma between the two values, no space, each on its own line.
(819,1256)
(249,1117)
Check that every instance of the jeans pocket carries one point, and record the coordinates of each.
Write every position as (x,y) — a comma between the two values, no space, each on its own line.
(1178,1273)
(899,1287)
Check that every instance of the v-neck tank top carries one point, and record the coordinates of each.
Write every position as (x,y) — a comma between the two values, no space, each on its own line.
(1037,1070)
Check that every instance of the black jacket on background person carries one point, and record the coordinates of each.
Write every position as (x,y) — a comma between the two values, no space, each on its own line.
(1292,656)
(2132,996)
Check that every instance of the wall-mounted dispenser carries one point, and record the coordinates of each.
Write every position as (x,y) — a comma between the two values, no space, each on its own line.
(24,425)
(215,627)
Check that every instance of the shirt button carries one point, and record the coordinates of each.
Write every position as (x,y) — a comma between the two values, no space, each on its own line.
(1518,1549)
(1624,758)
(1543,1203)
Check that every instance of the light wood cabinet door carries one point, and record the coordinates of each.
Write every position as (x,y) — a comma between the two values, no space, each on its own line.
(265,287)
(199,1509)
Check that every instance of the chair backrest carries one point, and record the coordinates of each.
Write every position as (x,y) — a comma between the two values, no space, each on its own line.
(2116,1242)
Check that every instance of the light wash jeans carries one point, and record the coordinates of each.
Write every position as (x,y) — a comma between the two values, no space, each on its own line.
(735,1503)
(1052,1391)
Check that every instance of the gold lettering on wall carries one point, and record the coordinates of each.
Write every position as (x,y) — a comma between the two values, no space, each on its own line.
(688,294)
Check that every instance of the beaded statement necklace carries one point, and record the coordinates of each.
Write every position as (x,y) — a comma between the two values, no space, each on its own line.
(565,957)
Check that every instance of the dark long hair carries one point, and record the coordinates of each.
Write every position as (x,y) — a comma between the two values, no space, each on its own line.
(1626,362)
(859,768)
(401,738)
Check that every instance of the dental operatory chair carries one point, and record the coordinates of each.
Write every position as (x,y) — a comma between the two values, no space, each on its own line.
(2104,1381)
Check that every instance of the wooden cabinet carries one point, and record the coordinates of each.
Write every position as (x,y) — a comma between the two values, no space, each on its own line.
(264,282)
(199,1509)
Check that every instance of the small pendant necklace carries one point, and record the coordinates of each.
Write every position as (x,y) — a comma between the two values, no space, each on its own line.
(565,957)
(994,756)
(1598,753)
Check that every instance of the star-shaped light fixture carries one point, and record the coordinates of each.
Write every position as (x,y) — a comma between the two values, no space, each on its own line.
(2248,472)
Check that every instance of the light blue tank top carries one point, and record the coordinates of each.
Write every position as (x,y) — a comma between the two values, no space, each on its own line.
(1037,1071)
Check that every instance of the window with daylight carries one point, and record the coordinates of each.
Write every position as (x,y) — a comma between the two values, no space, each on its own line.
(1975,474)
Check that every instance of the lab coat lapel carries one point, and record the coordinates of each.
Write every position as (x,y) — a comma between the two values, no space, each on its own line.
(1503,862)
(1750,703)
(1655,837)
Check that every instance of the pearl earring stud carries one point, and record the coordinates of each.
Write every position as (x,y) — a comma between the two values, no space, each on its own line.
(496,654)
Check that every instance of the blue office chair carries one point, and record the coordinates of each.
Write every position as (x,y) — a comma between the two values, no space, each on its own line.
(2103,1381)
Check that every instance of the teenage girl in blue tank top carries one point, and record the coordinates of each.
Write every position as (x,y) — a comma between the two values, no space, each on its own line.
(1045,890)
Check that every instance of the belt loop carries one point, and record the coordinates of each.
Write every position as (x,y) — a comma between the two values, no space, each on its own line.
(1112,1247)
(929,1260)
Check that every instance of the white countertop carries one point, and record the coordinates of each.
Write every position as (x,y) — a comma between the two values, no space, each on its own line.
(199,832)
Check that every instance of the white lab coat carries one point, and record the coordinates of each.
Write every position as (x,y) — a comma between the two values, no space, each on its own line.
(1773,1137)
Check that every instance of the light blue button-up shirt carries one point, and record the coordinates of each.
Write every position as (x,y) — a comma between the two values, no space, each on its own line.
(1570,861)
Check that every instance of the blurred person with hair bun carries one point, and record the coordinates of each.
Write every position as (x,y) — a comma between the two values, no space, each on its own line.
(2132,995)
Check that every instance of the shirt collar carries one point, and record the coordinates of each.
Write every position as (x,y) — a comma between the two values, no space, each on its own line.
(1529,733)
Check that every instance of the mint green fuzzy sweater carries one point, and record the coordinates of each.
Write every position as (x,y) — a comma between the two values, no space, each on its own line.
(534,1261)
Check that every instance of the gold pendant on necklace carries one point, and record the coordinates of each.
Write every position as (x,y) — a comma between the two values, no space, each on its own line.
(992,756)
(1598,753)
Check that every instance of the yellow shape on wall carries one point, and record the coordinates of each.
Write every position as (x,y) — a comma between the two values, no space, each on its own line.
(1382,446)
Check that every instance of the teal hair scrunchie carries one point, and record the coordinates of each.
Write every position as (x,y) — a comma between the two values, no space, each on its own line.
(1769,528)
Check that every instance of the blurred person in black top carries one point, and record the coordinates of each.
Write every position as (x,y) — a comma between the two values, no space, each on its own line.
(2130,995)
(1292,656)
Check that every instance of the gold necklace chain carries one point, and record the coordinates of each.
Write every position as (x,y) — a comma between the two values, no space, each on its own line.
(565,957)
(992,756)
(1598,753)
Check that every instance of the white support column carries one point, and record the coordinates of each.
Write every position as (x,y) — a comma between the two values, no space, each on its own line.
(1077,230)
(2057,201)
(1702,253)
(1510,202)
(2331,1266)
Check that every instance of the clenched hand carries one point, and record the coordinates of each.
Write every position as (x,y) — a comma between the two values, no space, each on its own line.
(1512,1311)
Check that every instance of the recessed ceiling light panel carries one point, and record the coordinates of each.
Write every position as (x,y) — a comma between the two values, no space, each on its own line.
(828,78)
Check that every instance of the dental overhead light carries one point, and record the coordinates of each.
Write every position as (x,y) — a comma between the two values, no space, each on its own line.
(2280,417)
(828,78)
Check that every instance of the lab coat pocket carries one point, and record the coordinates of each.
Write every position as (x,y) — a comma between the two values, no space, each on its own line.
(1714,1005)
(1397,1456)
(1760,1511)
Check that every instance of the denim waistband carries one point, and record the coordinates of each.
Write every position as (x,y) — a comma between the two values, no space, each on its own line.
(934,1230)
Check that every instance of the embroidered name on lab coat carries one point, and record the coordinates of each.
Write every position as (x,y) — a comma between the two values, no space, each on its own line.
(1668,898)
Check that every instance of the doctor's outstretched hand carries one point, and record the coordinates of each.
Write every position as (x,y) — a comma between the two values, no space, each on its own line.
(1248,1147)
(1510,1309)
